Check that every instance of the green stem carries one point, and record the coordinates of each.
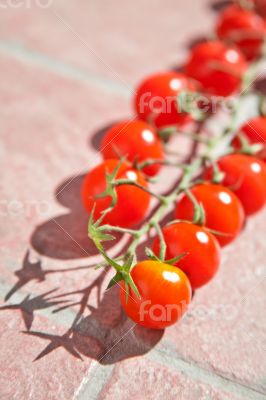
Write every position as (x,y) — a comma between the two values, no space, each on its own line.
(111,228)
(149,162)
(217,174)
(120,182)
(172,130)
(162,241)
(199,213)
(168,200)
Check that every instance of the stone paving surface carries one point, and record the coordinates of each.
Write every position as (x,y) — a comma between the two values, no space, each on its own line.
(67,72)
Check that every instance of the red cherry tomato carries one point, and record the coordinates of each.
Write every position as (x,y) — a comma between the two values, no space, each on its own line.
(223,211)
(165,295)
(255,131)
(244,28)
(132,202)
(203,258)
(260,7)
(156,99)
(246,177)
(218,67)
(136,140)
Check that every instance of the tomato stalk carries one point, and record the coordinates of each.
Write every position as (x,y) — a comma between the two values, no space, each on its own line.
(162,241)
(246,147)
(199,213)
(120,182)
(167,132)
(169,199)
(146,163)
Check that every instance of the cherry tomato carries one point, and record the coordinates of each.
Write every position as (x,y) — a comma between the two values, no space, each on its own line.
(165,295)
(246,176)
(218,67)
(156,99)
(244,28)
(223,211)
(203,251)
(255,131)
(260,6)
(136,140)
(132,202)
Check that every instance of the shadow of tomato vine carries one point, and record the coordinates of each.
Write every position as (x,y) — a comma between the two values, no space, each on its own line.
(102,332)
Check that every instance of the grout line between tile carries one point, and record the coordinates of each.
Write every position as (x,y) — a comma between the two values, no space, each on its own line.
(172,360)
(160,355)
(20,52)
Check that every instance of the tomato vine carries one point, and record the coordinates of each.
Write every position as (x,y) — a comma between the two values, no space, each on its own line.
(226,72)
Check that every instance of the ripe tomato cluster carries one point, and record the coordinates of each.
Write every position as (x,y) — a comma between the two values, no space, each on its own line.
(209,213)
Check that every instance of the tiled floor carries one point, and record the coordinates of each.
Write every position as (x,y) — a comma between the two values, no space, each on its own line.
(67,71)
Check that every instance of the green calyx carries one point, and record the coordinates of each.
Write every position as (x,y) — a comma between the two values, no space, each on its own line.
(246,147)
(98,235)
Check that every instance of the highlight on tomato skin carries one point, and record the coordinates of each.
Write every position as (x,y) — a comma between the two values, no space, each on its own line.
(132,202)
(254,130)
(246,177)
(156,99)
(137,141)
(203,257)
(243,27)
(224,212)
(218,67)
(165,295)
